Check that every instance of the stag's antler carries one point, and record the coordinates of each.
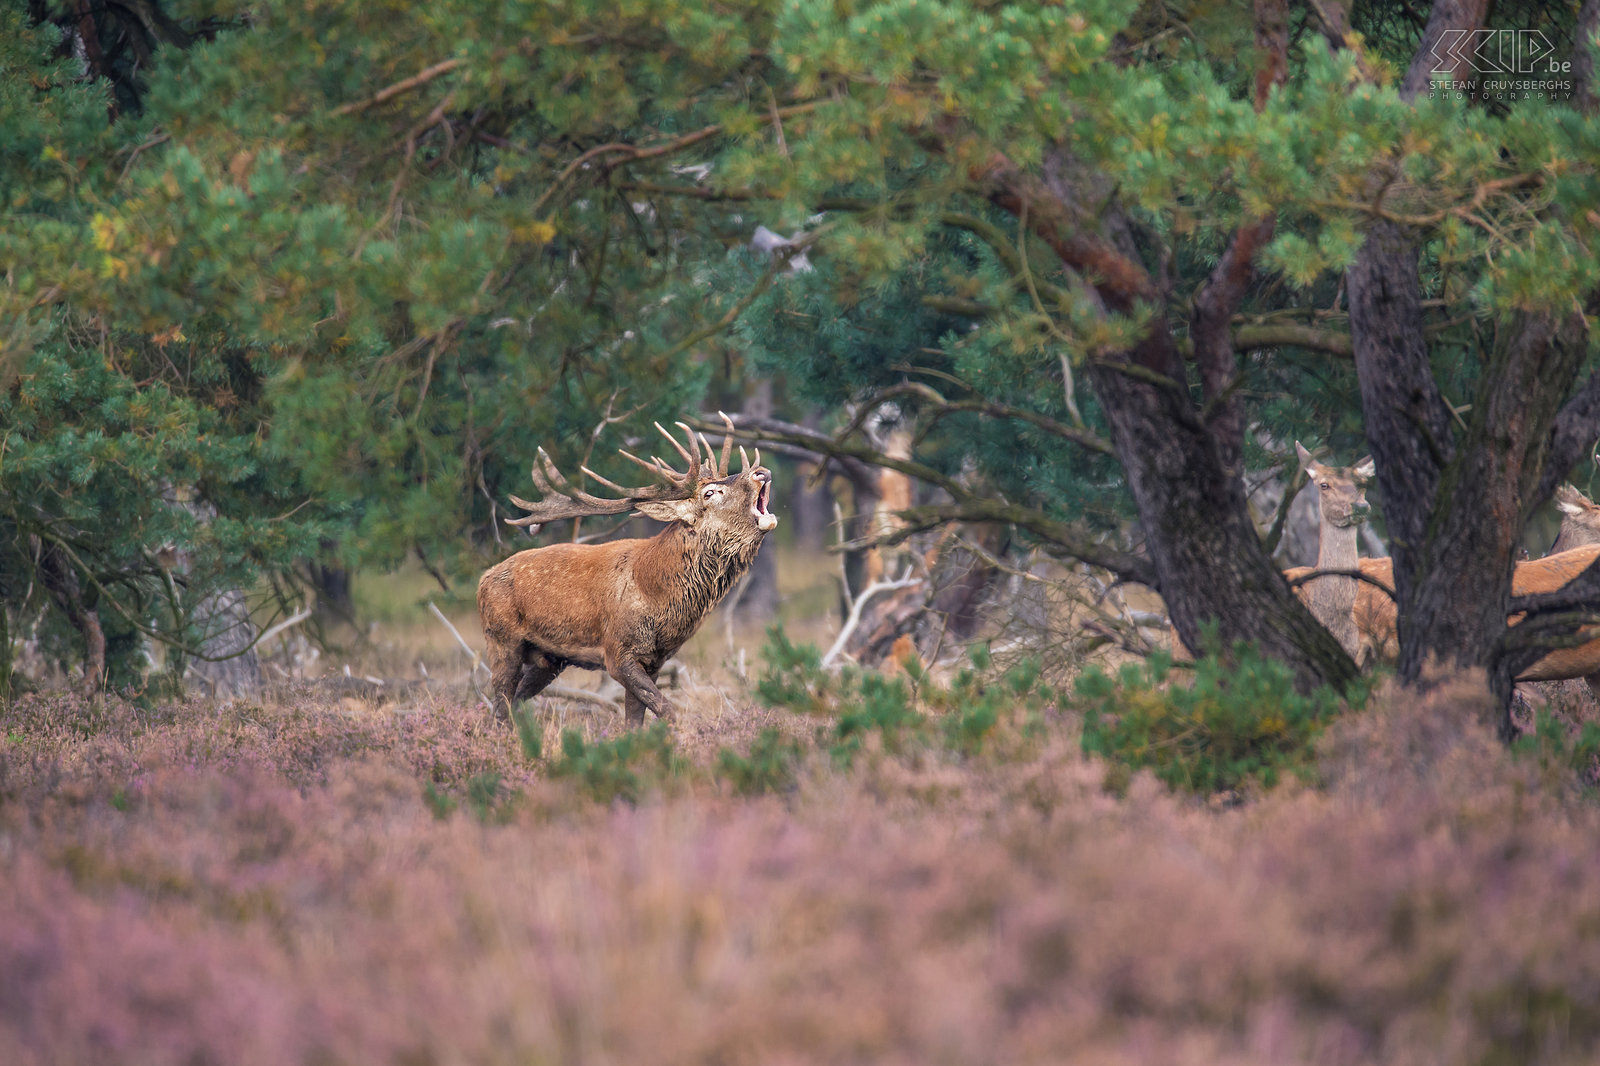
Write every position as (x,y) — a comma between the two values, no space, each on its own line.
(562,499)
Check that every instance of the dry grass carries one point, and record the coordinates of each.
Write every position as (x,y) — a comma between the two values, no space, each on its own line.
(270,884)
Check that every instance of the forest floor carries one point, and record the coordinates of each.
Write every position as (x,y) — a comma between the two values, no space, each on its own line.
(321,877)
(307,883)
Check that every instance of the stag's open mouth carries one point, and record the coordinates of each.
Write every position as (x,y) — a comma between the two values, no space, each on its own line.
(766,521)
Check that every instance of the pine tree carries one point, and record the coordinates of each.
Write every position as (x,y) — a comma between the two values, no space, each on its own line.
(1054,236)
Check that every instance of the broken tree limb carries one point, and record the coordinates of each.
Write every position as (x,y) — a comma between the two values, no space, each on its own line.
(856,607)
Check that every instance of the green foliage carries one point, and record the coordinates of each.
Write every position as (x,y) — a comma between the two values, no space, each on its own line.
(1560,749)
(794,678)
(137,499)
(771,766)
(361,239)
(621,768)
(530,734)
(1240,723)
(487,797)
(485,794)
(439,801)
(878,705)
(901,713)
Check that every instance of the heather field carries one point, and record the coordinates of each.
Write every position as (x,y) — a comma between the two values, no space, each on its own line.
(315,882)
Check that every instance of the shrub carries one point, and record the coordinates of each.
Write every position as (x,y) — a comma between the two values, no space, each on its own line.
(1562,750)
(1241,722)
(902,710)
(440,802)
(622,768)
(794,677)
(771,766)
(530,735)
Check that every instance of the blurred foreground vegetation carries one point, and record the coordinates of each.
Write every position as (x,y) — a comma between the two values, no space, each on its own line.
(894,878)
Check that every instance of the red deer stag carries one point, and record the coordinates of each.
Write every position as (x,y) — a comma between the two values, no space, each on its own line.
(628,605)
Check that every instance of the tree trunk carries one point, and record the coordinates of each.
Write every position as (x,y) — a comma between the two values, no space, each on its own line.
(810,507)
(222,618)
(1454,591)
(5,654)
(1408,422)
(1208,558)
(231,667)
(758,599)
(61,581)
(1454,507)
(331,582)
(1184,474)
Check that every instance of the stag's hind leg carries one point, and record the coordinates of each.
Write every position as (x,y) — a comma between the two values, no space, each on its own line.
(518,672)
(505,668)
(538,670)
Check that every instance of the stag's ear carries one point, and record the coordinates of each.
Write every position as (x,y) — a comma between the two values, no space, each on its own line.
(671,510)
(1364,470)
(1306,462)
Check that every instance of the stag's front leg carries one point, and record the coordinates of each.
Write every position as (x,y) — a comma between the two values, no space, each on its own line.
(640,692)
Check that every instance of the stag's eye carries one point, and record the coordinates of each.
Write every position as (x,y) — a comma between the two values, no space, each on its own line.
(1324,485)
(712,493)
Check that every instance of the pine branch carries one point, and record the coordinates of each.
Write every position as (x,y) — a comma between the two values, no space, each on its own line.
(1060,537)
(402,86)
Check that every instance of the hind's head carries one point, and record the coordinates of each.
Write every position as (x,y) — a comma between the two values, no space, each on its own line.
(1341,490)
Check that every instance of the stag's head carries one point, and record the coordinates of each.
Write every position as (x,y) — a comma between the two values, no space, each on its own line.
(1580,520)
(1341,490)
(724,510)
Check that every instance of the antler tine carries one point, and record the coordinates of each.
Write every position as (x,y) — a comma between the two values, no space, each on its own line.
(654,465)
(607,482)
(548,480)
(527,520)
(692,460)
(727,442)
(711,459)
(699,464)
(758,456)
(744,457)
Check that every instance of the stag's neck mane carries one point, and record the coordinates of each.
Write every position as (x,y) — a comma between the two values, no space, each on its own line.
(689,572)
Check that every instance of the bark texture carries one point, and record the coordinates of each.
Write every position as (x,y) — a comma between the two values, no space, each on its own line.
(1181,464)
(230,667)
(1457,492)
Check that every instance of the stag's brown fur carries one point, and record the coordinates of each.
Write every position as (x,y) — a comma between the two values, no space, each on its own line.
(624,607)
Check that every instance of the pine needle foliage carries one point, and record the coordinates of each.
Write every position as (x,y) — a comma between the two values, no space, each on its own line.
(1238,724)
(438,237)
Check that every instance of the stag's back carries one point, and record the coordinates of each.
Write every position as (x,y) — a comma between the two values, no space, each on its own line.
(561,593)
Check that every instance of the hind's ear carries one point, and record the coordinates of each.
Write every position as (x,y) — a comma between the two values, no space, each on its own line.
(1306,462)
(1570,501)
(685,511)
(1364,469)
